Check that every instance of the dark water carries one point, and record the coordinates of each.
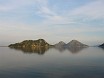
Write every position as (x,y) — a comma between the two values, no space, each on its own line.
(52,63)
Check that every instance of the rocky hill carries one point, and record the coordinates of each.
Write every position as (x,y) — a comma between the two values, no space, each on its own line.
(30,43)
(60,44)
(102,45)
(75,43)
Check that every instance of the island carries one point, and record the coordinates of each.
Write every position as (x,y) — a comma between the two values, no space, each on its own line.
(40,46)
(102,45)
(30,43)
(73,46)
(75,43)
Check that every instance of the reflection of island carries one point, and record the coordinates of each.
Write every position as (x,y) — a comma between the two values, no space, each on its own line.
(70,49)
(29,50)
(42,50)
(40,46)
(32,46)
(75,49)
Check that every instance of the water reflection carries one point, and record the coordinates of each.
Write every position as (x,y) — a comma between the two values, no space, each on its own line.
(29,50)
(75,49)
(42,50)
(88,63)
(102,48)
(70,49)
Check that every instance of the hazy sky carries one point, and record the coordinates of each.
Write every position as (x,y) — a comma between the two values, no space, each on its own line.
(52,20)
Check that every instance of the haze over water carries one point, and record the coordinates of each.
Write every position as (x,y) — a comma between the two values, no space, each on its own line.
(54,21)
(53,63)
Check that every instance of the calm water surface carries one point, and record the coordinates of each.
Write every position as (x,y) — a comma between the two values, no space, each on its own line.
(52,63)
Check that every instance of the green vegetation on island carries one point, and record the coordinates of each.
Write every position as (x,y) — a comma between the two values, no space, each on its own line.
(31,44)
(42,43)
(40,46)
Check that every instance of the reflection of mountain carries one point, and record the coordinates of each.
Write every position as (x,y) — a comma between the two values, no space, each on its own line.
(29,50)
(42,50)
(75,49)
(61,49)
(71,49)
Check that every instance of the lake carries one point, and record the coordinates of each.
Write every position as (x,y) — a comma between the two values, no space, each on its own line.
(52,63)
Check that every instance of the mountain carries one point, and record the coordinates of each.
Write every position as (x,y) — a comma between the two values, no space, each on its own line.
(42,43)
(75,43)
(30,43)
(102,45)
(60,44)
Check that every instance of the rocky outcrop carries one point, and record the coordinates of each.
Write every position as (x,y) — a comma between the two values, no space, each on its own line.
(75,43)
(30,44)
(73,46)
(60,44)
(102,45)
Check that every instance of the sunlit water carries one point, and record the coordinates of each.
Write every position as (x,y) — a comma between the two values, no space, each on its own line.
(53,63)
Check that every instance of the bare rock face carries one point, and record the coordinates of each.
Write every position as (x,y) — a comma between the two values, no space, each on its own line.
(60,44)
(75,43)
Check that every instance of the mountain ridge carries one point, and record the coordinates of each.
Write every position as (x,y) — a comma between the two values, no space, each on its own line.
(75,43)
(31,43)
(43,43)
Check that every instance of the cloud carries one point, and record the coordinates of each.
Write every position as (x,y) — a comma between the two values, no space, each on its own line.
(9,5)
(54,26)
(5,8)
(88,12)
(44,9)
(92,10)
(41,8)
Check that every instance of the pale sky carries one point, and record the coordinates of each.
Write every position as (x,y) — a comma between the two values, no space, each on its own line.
(52,20)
